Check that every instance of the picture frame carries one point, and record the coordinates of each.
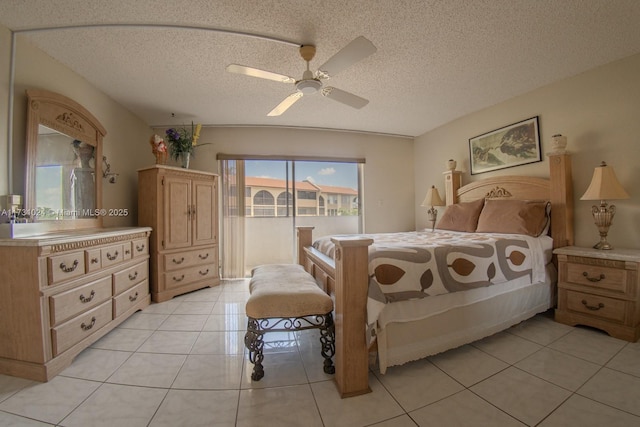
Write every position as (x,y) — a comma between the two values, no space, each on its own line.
(512,145)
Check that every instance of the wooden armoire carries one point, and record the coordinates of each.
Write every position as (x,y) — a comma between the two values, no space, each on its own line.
(181,205)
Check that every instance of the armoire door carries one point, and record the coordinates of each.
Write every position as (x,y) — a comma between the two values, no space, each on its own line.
(177,211)
(204,215)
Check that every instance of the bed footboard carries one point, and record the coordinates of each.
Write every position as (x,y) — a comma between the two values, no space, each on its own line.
(346,279)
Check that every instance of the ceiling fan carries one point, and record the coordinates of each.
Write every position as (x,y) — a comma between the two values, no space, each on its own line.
(310,82)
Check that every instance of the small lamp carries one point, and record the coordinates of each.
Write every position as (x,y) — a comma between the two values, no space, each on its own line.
(432,199)
(604,186)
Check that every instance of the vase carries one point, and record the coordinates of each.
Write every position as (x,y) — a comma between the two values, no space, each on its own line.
(185,160)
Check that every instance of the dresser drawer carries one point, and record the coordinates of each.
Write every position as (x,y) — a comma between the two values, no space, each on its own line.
(140,247)
(128,299)
(181,260)
(174,279)
(93,260)
(66,266)
(609,278)
(111,255)
(596,306)
(70,303)
(129,277)
(80,327)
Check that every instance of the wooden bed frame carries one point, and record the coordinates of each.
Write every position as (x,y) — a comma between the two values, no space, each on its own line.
(346,277)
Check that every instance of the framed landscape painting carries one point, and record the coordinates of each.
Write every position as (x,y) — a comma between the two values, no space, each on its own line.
(513,145)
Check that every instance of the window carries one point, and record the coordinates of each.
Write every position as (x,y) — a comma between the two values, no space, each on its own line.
(263,198)
(307,195)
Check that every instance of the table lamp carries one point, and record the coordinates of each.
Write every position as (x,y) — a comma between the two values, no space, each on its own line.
(604,186)
(432,199)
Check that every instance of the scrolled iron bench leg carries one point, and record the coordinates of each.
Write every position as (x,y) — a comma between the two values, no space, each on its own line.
(253,340)
(328,341)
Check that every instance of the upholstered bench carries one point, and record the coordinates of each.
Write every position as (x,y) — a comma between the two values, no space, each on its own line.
(284,297)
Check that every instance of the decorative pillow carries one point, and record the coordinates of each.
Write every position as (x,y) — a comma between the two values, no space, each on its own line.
(461,216)
(513,217)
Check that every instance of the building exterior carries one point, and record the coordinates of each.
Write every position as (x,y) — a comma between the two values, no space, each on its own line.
(266,197)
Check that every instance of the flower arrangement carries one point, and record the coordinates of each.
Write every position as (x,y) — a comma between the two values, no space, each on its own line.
(182,141)
(159,149)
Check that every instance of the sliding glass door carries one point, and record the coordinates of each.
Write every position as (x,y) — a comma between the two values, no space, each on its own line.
(278,196)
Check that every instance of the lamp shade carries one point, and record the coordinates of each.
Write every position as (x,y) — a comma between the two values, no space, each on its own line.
(432,198)
(604,185)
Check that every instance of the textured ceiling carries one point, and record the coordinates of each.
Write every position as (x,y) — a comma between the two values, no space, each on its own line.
(436,60)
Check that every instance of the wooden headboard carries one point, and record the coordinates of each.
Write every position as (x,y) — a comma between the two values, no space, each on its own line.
(558,189)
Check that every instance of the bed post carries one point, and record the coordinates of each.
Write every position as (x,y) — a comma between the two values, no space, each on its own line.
(561,199)
(352,285)
(452,182)
(304,241)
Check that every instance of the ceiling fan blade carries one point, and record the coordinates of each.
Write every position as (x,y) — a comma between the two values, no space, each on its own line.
(344,97)
(355,51)
(262,74)
(285,104)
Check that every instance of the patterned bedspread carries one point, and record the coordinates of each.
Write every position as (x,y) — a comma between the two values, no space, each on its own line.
(414,265)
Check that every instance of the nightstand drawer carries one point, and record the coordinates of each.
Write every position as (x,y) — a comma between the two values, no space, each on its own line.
(597,306)
(612,279)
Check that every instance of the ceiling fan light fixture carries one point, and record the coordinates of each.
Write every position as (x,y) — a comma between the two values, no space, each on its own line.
(308,86)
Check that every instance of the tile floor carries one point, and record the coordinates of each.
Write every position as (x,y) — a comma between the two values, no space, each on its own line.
(183,363)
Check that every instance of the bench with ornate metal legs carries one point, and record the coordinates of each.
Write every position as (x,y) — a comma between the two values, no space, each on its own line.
(284,297)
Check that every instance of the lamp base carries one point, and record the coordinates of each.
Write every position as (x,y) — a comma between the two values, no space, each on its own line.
(432,215)
(603,245)
(603,216)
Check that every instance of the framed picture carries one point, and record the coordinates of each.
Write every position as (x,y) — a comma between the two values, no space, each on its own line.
(513,145)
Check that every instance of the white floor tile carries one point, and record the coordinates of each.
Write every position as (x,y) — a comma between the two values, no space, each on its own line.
(219,343)
(507,347)
(49,402)
(541,329)
(175,342)
(95,364)
(117,405)
(583,412)
(417,384)
(142,320)
(559,368)
(11,385)
(221,322)
(279,406)
(361,410)
(589,344)
(210,372)
(463,409)
(627,360)
(280,369)
(184,322)
(10,420)
(123,339)
(149,370)
(197,408)
(468,365)
(615,389)
(521,395)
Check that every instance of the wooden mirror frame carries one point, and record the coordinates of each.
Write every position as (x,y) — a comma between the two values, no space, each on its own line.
(66,116)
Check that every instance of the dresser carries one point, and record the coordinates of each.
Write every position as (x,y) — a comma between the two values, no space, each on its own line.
(181,205)
(61,292)
(600,288)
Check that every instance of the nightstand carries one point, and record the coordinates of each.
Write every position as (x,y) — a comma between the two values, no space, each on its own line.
(600,288)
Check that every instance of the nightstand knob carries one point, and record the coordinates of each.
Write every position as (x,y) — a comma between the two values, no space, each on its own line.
(593,279)
(592,307)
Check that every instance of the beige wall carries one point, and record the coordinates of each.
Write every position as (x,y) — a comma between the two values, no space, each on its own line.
(598,111)
(125,145)
(388,171)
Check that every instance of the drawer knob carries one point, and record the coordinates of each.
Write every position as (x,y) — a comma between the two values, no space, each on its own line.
(205,256)
(66,269)
(132,298)
(90,325)
(112,257)
(592,307)
(133,276)
(127,252)
(593,279)
(176,261)
(140,248)
(178,279)
(84,299)
(204,273)
(94,260)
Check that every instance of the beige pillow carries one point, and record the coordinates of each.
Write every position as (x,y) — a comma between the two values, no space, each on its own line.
(513,217)
(461,216)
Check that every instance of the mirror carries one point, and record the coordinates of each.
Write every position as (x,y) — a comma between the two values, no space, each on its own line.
(63,176)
